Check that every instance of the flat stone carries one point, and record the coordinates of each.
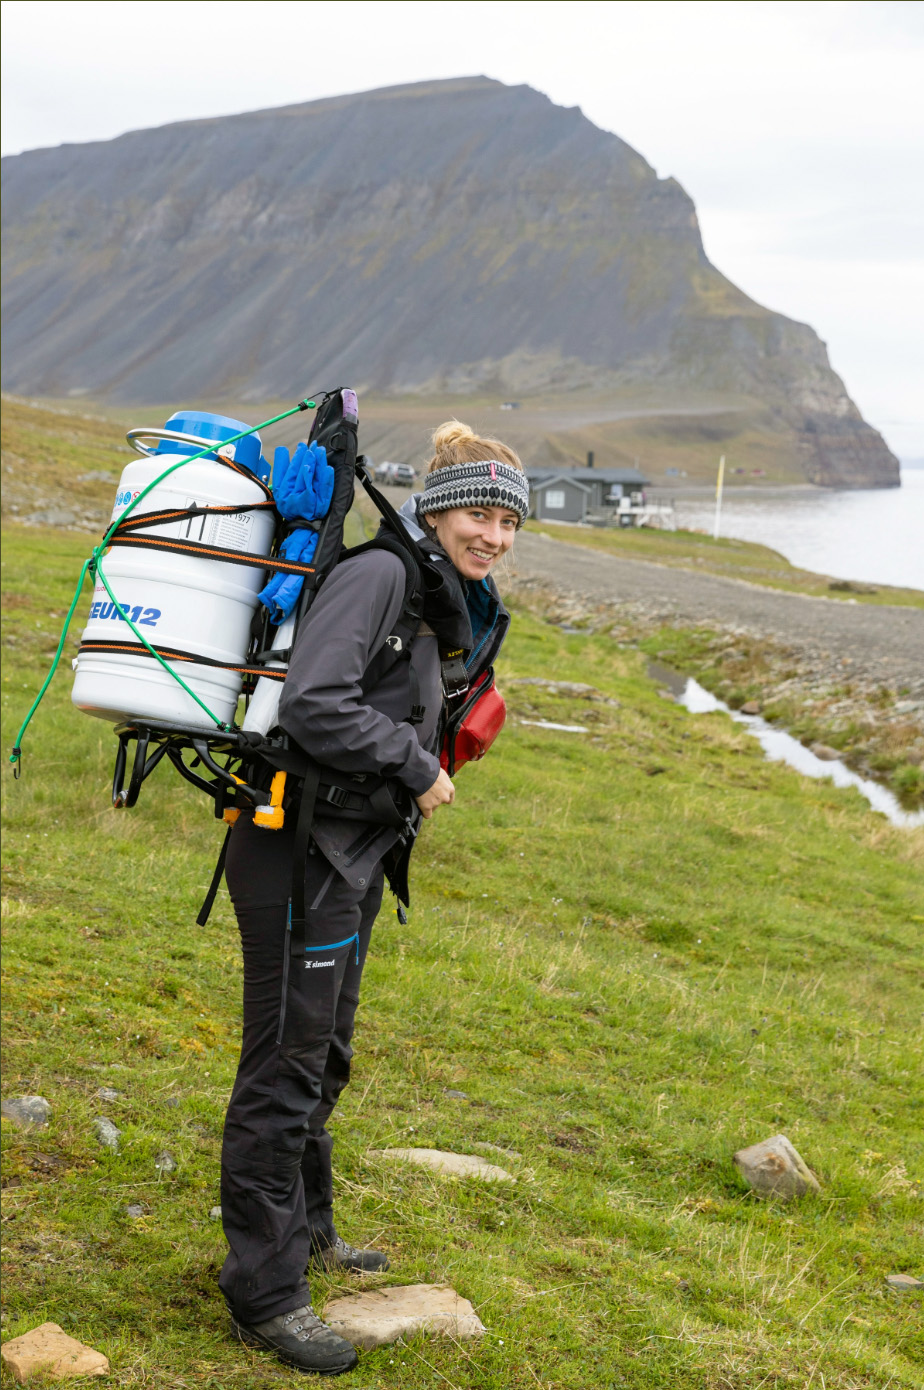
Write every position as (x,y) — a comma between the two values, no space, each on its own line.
(26,1111)
(165,1163)
(449,1164)
(107,1133)
(108,1093)
(751,707)
(824,752)
(215,1214)
(905,1283)
(134,1211)
(456,1095)
(380,1316)
(49,1350)
(575,690)
(776,1169)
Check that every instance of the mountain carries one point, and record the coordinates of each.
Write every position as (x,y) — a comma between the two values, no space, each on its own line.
(442,238)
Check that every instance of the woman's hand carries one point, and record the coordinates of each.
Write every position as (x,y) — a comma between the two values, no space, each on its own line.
(442,793)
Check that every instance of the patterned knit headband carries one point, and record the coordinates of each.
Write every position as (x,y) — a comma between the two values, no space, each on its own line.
(485,483)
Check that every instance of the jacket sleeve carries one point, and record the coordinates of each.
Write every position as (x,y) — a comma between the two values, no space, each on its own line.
(322,705)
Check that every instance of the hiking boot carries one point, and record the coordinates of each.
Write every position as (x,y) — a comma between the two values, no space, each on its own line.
(347,1258)
(300,1339)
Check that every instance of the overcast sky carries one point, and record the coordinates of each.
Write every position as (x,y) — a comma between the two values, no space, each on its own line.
(796,126)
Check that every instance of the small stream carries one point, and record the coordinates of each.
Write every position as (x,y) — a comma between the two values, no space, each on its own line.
(779,746)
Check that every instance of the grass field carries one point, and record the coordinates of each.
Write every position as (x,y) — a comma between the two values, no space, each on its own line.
(634,950)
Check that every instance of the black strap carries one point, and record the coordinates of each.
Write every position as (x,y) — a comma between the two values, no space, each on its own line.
(306,809)
(209,900)
(212,552)
(137,521)
(387,511)
(397,646)
(453,674)
(418,711)
(175,654)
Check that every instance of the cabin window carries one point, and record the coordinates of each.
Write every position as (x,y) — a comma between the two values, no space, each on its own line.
(555,499)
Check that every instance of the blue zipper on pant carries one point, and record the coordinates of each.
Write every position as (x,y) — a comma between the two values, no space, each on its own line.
(334,946)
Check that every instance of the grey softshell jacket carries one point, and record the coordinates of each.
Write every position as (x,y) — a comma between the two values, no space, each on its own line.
(324,709)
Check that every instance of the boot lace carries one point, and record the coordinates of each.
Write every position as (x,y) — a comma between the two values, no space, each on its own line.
(302,1323)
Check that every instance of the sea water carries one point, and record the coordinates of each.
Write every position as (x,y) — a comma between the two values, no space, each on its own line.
(875,536)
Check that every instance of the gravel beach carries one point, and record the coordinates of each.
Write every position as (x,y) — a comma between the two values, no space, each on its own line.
(878,644)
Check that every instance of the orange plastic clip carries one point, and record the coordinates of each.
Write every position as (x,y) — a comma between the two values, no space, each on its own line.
(231,813)
(271,817)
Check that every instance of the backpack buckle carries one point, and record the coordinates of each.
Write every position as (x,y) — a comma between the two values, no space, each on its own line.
(336,796)
(454,675)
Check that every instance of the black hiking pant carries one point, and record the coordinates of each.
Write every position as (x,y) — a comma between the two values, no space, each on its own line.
(276,1176)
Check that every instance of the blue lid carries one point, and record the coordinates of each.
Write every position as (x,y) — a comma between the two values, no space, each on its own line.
(218,428)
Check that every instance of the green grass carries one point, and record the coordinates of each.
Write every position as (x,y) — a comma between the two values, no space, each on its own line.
(634,950)
(732,559)
(68,463)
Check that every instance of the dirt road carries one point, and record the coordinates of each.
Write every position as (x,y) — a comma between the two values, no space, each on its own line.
(882,643)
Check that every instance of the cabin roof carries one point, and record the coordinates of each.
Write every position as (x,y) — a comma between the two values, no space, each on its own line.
(558,478)
(541,477)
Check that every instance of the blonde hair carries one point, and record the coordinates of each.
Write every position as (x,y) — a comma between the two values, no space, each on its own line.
(454,442)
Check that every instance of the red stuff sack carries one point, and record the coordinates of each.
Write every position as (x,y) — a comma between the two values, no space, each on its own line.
(474,725)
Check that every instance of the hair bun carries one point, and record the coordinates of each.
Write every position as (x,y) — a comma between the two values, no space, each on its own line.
(455,443)
(451,433)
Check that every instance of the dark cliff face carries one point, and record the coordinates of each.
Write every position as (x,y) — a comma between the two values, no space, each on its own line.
(447,236)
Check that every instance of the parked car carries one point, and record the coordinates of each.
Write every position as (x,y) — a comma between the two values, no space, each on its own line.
(398,474)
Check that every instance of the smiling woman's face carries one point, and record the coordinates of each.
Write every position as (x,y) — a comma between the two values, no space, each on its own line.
(474,537)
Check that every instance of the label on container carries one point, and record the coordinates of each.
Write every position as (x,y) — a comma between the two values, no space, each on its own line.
(141,615)
(234,532)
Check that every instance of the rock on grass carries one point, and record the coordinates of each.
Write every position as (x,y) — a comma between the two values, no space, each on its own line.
(49,1350)
(905,1283)
(449,1164)
(26,1111)
(107,1133)
(774,1168)
(375,1318)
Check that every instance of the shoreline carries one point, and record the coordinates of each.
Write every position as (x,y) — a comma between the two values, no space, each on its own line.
(841,677)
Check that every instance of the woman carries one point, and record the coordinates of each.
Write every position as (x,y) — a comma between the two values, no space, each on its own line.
(277,1185)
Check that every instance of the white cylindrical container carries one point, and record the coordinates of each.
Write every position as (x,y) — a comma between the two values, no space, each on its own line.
(262,711)
(182,602)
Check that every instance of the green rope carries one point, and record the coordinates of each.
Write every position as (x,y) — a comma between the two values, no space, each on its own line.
(16,754)
(94,566)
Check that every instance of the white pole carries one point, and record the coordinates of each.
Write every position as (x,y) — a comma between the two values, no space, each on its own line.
(718,497)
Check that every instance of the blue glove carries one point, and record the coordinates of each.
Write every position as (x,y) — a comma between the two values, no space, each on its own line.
(281,593)
(304,484)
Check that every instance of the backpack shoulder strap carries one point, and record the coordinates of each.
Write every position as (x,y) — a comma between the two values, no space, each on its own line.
(398,643)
